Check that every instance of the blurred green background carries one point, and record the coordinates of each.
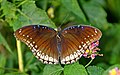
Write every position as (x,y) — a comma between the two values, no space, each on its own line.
(103,14)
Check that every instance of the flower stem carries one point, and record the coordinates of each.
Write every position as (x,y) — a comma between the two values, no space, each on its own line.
(20,56)
(89,63)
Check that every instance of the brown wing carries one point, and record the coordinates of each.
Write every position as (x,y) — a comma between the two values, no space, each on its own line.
(41,40)
(75,40)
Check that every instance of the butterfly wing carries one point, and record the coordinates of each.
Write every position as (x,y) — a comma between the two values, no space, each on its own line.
(75,40)
(41,40)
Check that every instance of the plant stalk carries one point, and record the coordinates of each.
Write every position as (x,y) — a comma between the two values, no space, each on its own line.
(20,56)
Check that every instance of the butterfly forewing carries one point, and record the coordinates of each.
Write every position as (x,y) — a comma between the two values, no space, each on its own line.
(75,40)
(41,40)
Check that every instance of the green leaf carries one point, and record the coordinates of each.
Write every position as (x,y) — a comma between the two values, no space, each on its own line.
(112,46)
(52,70)
(103,65)
(2,64)
(73,6)
(31,15)
(100,2)
(15,73)
(110,68)
(4,42)
(75,69)
(95,13)
(8,9)
(94,70)
(42,4)
(114,7)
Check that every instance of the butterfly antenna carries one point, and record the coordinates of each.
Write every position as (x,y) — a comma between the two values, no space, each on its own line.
(64,20)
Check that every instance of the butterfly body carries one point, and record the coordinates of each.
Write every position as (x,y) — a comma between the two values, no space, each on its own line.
(52,47)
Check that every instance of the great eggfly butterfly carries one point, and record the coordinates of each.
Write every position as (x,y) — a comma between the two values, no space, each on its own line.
(53,47)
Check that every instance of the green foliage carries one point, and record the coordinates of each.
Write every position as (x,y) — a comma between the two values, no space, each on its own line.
(73,5)
(114,6)
(52,70)
(2,64)
(76,69)
(104,14)
(94,70)
(4,42)
(29,14)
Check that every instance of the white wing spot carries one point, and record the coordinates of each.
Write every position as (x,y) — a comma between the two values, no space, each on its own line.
(42,56)
(71,56)
(78,52)
(67,58)
(63,61)
(38,53)
(27,35)
(45,27)
(20,31)
(23,35)
(46,57)
(91,35)
(37,56)
(35,46)
(24,39)
(72,61)
(95,31)
(32,50)
(88,36)
(33,42)
(50,59)
(82,42)
(77,58)
(67,62)
(75,55)
(81,49)
(45,62)
(55,61)
(65,31)
(50,62)
(84,45)
(41,60)
(79,46)
(87,42)
(28,41)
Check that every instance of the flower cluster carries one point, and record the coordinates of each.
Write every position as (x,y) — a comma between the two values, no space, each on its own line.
(114,71)
(92,51)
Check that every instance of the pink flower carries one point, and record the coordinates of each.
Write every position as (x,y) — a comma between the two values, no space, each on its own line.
(93,56)
(92,51)
(93,45)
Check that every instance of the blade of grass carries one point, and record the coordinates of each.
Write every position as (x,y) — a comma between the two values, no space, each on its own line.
(4,42)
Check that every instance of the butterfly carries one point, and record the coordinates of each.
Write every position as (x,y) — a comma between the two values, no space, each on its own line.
(64,46)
